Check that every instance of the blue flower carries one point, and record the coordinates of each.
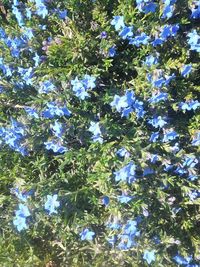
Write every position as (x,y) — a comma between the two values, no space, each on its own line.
(149,256)
(23,211)
(186,69)
(154,137)
(105,200)
(194,194)
(189,105)
(119,103)
(150,60)
(193,41)
(28,33)
(127,173)
(127,104)
(54,110)
(157,122)
(122,152)
(18,15)
(41,9)
(169,135)
(126,242)
(169,31)
(148,171)
(168,9)
(131,228)
(151,7)
(190,161)
(146,6)
(112,51)
(51,204)
(32,112)
(196,10)
(20,223)
(89,82)
(118,22)
(26,75)
(126,32)
(157,41)
(62,14)
(57,129)
(114,225)
(196,139)
(138,40)
(14,136)
(157,97)
(28,13)
(36,58)
(181,260)
(95,129)
(153,158)
(20,218)
(80,87)
(56,146)
(22,196)
(46,87)
(86,234)
(157,78)
(124,198)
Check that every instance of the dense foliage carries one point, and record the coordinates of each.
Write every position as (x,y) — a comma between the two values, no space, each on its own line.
(99,133)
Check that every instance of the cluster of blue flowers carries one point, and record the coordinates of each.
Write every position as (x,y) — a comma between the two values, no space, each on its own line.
(151,111)
(21,215)
(81,87)
(14,136)
(127,104)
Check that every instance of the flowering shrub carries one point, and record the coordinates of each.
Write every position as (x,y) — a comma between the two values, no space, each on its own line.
(99,133)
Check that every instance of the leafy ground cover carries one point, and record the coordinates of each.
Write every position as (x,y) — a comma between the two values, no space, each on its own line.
(99,133)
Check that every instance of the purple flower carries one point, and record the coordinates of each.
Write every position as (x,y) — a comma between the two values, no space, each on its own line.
(103,35)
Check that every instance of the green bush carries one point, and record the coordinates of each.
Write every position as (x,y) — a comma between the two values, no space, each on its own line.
(105,119)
